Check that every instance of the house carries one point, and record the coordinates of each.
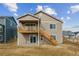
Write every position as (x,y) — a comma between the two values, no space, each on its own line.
(8,28)
(1,32)
(68,34)
(39,29)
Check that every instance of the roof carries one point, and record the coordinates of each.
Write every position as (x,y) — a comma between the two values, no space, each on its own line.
(5,16)
(48,15)
(27,15)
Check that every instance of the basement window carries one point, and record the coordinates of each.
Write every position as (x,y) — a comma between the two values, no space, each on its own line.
(53,36)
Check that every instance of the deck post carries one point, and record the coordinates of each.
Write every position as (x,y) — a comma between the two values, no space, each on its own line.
(38,32)
(18,40)
(18,34)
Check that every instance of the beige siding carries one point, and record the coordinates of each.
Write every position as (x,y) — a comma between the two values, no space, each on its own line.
(22,39)
(44,41)
(45,23)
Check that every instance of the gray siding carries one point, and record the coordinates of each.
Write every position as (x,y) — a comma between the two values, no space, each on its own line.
(10,27)
(2,22)
(1,32)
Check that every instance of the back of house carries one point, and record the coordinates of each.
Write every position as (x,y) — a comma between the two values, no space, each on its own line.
(39,29)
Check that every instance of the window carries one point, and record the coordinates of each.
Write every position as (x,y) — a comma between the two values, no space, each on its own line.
(1,37)
(53,36)
(33,39)
(1,29)
(52,26)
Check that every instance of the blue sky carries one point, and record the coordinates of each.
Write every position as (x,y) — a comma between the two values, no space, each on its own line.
(67,12)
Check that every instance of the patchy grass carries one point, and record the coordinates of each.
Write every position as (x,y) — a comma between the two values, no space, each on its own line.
(10,49)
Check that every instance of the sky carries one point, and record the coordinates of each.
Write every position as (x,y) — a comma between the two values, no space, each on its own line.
(66,12)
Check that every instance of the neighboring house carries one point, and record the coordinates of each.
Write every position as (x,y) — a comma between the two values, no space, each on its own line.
(8,28)
(1,32)
(68,34)
(78,35)
(39,29)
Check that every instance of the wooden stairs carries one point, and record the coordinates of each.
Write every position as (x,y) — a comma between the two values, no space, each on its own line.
(48,36)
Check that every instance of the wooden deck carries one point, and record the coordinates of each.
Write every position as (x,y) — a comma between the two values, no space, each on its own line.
(27,31)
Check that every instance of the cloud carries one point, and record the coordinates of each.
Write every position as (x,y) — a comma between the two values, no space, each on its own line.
(15,14)
(46,9)
(68,12)
(77,26)
(65,19)
(74,8)
(62,18)
(68,17)
(12,7)
(50,11)
(31,9)
(72,29)
(39,8)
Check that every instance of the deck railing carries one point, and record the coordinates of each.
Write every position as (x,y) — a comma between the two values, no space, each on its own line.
(22,29)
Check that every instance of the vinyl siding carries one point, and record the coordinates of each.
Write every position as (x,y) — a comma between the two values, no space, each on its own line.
(24,40)
(10,31)
(45,23)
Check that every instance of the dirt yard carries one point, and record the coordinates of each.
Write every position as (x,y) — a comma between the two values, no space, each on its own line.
(66,49)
